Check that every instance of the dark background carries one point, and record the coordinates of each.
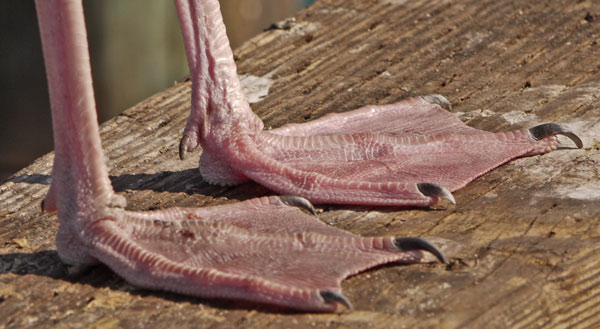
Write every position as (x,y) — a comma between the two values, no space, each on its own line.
(136,50)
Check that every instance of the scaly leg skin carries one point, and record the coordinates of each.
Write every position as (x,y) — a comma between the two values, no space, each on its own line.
(386,168)
(262,250)
(259,250)
(411,153)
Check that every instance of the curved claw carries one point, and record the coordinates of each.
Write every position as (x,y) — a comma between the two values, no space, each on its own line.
(183,145)
(75,272)
(414,243)
(431,189)
(547,129)
(334,297)
(297,201)
(439,100)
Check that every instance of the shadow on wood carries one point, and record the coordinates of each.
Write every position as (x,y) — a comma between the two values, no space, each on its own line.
(522,241)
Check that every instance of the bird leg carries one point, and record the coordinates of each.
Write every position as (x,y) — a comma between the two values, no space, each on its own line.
(411,153)
(263,250)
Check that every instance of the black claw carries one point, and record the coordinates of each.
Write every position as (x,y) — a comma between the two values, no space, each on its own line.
(76,272)
(414,243)
(183,145)
(439,100)
(548,129)
(430,189)
(334,297)
(298,201)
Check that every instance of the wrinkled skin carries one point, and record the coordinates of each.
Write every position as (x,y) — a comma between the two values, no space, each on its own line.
(411,153)
(263,250)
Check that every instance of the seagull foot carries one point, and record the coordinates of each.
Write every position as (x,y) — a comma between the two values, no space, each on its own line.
(439,100)
(334,297)
(298,201)
(413,243)
(183,145)
(430,189)
(548,129)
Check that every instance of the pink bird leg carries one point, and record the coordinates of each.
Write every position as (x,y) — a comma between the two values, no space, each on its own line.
(262,250)
(411,153)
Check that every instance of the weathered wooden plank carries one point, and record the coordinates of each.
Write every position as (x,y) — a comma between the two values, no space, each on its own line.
(522,240)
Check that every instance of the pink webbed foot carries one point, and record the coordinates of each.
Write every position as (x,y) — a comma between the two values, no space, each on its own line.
(411,153)
(261,250)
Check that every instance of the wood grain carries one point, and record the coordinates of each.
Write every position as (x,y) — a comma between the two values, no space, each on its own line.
(522,240)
